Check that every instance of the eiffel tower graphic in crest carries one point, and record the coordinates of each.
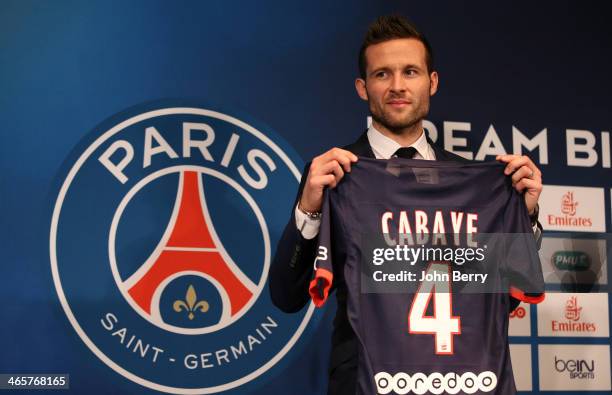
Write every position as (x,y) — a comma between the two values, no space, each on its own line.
(190,246)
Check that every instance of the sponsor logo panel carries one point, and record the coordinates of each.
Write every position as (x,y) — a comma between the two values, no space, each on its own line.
(435,383)
(572,208)
(574,315)
(520,354)
(520,321)
(565,367)
(574,262)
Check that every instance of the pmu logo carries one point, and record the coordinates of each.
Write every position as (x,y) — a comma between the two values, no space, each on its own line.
(160,245)
(571,260)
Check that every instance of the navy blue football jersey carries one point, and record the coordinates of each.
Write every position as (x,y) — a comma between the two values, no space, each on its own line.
(429,253)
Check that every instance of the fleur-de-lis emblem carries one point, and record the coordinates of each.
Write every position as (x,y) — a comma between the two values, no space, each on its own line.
(191,303)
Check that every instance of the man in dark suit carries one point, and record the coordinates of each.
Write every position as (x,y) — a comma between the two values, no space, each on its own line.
(397,80)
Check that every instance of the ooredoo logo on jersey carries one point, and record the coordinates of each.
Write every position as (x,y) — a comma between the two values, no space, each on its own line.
(160,244)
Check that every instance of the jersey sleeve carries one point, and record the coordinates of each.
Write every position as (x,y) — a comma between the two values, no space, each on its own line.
(323,264)
(522,266)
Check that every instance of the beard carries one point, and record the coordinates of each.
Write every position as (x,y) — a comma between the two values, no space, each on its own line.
(398,123)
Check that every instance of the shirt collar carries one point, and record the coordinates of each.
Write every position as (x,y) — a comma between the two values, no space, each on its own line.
(384,147)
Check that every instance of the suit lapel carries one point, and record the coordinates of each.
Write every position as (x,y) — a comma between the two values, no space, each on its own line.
(440,153)
(361,147)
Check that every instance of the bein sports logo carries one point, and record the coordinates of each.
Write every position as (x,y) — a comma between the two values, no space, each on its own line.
(435,383)
(576,368)
(160,245)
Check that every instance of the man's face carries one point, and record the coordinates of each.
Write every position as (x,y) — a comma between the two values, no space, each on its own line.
(397,85)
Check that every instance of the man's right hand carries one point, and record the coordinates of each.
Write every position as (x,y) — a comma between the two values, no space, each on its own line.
(325,170)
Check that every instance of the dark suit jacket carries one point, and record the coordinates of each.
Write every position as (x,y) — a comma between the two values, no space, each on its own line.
(292,270)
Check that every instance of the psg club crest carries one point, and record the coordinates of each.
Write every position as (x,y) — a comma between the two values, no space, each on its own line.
(160,244)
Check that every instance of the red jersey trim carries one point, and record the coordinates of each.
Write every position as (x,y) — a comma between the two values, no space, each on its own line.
(319,286)
(520,295)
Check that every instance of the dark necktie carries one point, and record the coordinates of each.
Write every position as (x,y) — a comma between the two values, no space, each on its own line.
(405,152)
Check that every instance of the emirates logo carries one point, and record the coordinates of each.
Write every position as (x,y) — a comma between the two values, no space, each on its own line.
(572,310)
(568,205)
(569,218)
(573,322)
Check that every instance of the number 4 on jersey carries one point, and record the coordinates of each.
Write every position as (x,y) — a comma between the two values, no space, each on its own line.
(443,325)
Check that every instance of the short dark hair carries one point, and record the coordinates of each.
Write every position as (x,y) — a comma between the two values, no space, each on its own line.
(391,27)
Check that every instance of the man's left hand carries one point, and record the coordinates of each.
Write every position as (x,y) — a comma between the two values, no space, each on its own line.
(525,177)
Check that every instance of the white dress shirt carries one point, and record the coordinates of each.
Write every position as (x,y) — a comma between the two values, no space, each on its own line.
(383,148)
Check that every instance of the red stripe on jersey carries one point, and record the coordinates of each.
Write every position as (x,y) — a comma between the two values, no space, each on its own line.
(320,285)
(520,295)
